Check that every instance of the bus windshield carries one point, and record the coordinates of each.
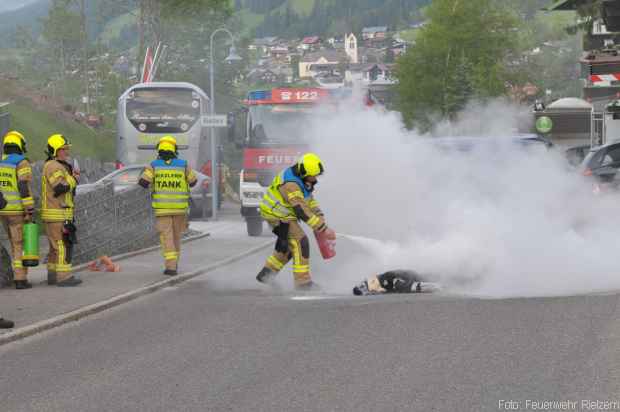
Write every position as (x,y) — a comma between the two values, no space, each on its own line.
(163,110)
(280,124)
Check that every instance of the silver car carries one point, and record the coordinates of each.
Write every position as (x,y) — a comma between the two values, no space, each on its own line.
(200,194)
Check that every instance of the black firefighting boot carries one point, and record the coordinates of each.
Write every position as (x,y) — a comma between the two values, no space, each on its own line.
(51,277)
(70,282)
(22,284)
(171,272)
(266,276)
(6,324)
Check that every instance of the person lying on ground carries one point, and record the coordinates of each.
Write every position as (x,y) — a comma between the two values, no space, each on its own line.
(395,281)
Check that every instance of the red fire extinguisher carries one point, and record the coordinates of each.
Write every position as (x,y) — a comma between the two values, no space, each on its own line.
(327,245)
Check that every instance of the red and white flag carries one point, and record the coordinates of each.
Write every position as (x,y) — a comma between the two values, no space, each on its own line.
(148,66)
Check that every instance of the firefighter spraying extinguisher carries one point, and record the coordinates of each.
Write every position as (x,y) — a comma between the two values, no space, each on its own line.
(289,200)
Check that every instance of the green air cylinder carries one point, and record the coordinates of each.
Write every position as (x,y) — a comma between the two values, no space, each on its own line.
(30,257)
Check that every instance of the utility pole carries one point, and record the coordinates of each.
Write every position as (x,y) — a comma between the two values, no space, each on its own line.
(85,53)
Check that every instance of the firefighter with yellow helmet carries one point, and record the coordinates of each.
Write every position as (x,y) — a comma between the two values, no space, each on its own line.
(288,200)
(15,181)
(170,179)
(58,183)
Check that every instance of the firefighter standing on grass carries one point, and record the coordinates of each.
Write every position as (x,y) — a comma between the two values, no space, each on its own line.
(15,178)
(287,201)
(58,183)
(170,179)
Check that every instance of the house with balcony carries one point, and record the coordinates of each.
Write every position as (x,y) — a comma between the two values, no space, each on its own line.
(378,33)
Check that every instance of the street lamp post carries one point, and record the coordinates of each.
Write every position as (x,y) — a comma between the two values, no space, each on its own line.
(232,57)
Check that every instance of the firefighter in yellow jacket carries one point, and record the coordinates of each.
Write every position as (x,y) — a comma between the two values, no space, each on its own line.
(58,183)
(170,179)
(15,179)
(287,201)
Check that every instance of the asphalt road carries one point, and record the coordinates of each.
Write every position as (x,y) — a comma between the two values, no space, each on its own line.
(223,343)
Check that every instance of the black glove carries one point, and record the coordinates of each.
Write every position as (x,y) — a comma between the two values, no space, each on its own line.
(69,233)
(3,201)
(281,231)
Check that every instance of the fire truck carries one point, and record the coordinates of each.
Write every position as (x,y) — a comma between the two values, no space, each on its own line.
(273,138)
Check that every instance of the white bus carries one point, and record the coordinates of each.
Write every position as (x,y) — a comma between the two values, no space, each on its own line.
(148,111)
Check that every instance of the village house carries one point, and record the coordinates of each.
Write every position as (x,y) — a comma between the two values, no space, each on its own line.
(378,33)
(263,44)
(310,43)
(321,61)
(262,76)
(279,53)
(398,49)
(366,74)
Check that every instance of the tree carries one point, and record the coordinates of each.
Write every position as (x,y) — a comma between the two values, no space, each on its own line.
(295,65)
(23,38)
(59,31)
(476,36)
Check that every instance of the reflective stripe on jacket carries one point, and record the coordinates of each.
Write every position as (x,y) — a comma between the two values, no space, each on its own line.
(170,188)
(56,208)
(274,205)
(8,184)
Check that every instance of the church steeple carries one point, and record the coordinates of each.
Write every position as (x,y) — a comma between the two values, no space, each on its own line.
(350,47)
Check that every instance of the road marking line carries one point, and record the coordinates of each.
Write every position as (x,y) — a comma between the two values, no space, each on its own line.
(323,297)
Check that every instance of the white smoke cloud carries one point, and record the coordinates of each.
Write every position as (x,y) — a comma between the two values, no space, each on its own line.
(497,221)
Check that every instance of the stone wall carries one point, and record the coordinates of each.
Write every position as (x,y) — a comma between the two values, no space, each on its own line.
(112,223)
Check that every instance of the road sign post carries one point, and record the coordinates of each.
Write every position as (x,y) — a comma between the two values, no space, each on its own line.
(215,120)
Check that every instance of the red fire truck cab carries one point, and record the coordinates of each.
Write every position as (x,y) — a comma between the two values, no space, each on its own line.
(276,126)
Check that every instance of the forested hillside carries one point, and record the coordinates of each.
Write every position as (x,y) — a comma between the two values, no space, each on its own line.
(295,18)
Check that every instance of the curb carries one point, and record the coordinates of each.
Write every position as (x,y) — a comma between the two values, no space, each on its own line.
(83,266)
(88,310)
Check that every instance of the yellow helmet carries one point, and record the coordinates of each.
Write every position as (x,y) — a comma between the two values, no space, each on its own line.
(168,144)
(55,143)
(310,165)
(15,138)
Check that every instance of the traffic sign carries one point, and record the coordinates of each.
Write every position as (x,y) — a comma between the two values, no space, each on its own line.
(216,120)
(544,124)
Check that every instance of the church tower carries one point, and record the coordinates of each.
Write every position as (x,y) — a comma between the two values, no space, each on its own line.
(350,47)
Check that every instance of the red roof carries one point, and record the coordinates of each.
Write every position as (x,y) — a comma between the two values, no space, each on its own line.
(311,40)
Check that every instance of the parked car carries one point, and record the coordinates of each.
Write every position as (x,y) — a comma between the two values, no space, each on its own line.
(602,163)
(200,195)
(575,155)
(468,143)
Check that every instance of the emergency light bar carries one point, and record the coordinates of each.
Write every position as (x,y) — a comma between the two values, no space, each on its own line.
(287,96)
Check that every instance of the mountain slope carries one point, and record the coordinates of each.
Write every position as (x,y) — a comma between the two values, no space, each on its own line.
(296,18)
(9,5)
(28,15)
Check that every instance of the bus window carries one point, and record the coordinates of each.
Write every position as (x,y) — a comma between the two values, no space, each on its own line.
(163,110)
